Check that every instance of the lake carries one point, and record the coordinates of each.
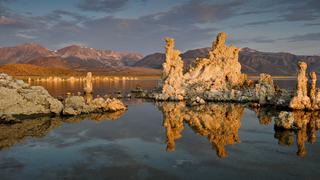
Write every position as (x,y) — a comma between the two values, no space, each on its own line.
(157,141)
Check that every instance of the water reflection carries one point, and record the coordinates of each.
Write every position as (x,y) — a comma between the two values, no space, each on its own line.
(11,134)
(306,125)
(220,124)
(101,86)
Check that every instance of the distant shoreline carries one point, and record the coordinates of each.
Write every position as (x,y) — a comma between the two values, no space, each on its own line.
(139,77)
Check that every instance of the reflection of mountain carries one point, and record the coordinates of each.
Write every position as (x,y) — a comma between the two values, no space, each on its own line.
(218,122)
(11,134)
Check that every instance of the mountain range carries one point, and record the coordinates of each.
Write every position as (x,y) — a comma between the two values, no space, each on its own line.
(72,57)
(253,62)
(77,58)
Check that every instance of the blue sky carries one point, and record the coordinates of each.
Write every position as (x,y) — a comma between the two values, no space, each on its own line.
(141,25)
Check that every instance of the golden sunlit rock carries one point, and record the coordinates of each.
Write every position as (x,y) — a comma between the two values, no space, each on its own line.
(301,99)
(88,85)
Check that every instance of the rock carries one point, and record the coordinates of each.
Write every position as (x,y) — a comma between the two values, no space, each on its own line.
(172,76)
(76,105)
(18,98)
(301,100)
(88,89)
(113,105)
(195,101)
(264,89)
(220,71)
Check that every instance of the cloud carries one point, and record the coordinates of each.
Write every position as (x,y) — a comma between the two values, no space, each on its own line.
(304,37)
(306,10)
(312,24)
(6,21)
(25,36)
(102,5)
(197,11)
(265,22)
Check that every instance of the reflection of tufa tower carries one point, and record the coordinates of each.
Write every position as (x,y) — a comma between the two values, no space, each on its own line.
(88,85)
(218,122)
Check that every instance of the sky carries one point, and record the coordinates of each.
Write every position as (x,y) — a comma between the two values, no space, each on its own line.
(141,25)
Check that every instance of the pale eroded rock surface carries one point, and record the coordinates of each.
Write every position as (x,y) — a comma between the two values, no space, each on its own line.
(18,98)
(76,105)
(217,77)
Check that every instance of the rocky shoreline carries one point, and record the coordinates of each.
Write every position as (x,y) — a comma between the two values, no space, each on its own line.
(19,99)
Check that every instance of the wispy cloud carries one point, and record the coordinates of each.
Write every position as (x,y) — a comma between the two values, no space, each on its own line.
(102,5)
(304,37)
(25,36)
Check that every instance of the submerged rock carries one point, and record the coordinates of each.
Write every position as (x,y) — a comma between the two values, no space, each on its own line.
(18,98)
(264,89)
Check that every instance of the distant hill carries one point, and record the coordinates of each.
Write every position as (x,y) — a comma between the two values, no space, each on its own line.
(252,61)
(32,70)
(72,57)
(83,59)
(105,58)
(23,53)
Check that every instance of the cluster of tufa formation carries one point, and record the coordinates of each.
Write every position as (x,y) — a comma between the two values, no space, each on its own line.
(217,77)
(18,98)
(306,98)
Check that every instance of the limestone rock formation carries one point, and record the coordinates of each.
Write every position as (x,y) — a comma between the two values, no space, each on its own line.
(18,98)
(301,100)
(88,85)
(76,105)
(220,70)
(264,89)
(172,76)
(312,91)
(216,77)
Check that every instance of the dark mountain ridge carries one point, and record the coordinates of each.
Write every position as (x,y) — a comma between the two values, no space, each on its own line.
(253,62)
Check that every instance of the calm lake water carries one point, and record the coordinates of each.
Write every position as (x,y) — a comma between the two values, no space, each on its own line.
(156,141)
